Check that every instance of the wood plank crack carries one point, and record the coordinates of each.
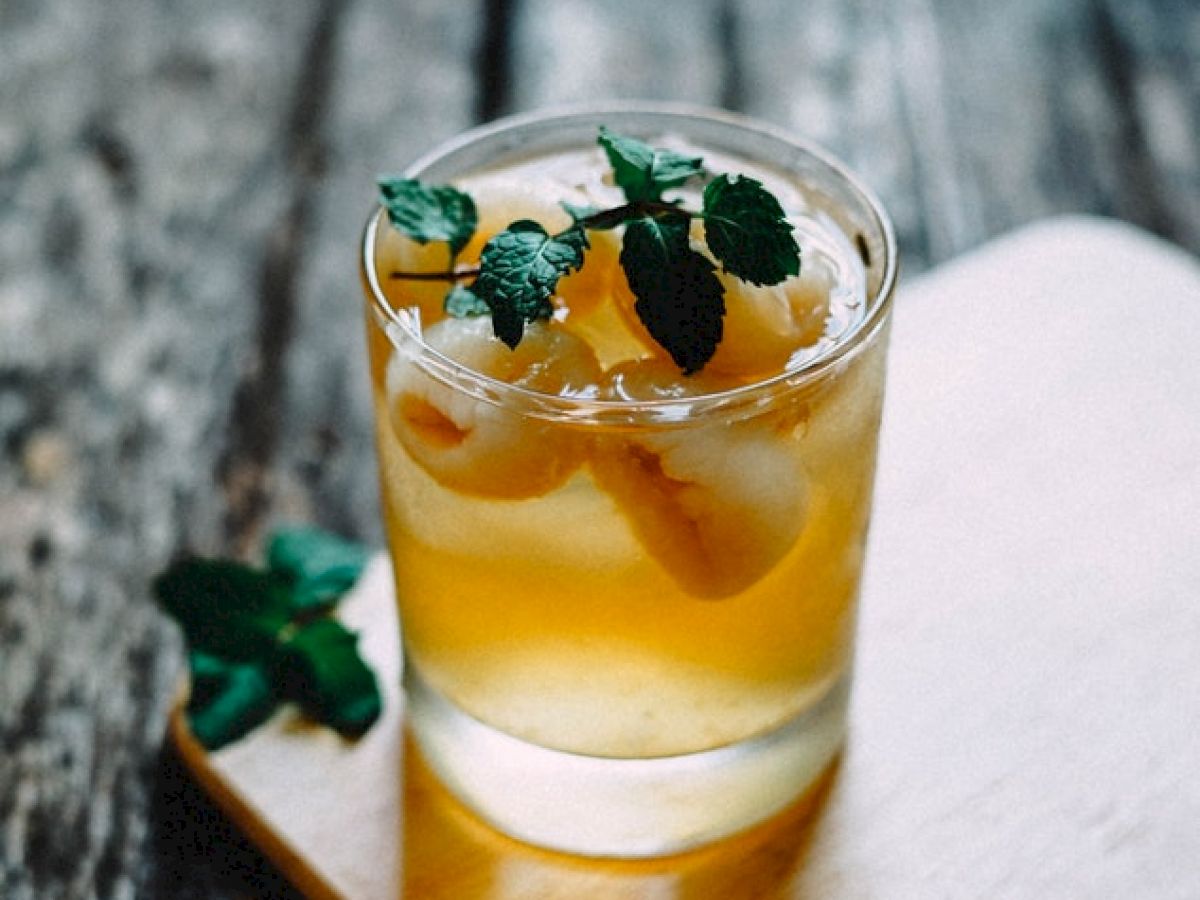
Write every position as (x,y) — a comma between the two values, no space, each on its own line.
(493,61)
(244,468)
(1139,176)
(728,40)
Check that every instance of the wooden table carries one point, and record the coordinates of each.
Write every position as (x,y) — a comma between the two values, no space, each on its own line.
(181,190)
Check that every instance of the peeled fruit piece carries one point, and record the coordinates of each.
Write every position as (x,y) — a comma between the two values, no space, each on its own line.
(765,325)
(585,291)
(716,506)
(501,200)
(397,252)
(476,447)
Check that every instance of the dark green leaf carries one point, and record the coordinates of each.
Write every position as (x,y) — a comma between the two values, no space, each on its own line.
(253,639)
(570,244)
(519,270)
(748,232)
(680,300)
(208,674)
(321,669)
(429,212)
(228,700)
(224,607)
(462,303)
(317,566)
(642,172)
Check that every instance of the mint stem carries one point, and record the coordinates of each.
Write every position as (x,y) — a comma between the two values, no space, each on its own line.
(606,218)
(456,274)
(610,218)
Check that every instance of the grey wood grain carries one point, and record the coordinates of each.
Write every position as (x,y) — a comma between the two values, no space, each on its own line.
(138,188)
(167,214)
(971,118)
(404,84)
(570,51)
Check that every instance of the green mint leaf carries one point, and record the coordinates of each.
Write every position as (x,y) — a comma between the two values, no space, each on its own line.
(642,172)
(321,669)
(225,608)
(679,297)
(258,638)
(429,212)
(228,700)
(462,303)
(318,567)
(519,270)
(748,232)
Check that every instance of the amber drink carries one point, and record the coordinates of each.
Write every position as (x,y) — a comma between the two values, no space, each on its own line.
(627,594)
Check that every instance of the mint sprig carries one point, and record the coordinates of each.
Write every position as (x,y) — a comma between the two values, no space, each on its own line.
(320,668)
(678,296)
(228,699)
(519,270)
(429,213)
(316,566)
(225,609)
(259,638)
(747,230)
(643,173)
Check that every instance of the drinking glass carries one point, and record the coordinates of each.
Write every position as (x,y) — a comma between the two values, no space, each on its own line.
(628,624)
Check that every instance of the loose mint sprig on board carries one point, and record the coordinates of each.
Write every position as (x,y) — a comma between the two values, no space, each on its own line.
(258,638)
(679,298)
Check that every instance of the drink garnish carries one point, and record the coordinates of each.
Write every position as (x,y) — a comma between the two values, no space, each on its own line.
(430,212)
(679,298)
(643,173)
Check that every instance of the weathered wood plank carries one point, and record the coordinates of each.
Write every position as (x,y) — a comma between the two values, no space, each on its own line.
(866,80)
(405,82)
(572,51)
(162,171)
(138,161)
(1150,57)
(972,118)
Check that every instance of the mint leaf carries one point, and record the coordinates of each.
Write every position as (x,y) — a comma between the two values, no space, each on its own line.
(642,172)
(321,669)
(519,270)
(679,298)
(224,607)
(318,567)
(429,213)
(228,700)
(258,638)
(462,303)
(748,232)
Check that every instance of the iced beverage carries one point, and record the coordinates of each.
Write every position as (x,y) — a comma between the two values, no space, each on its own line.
(627,589)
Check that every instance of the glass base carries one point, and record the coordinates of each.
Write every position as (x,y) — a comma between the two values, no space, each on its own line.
(612,807)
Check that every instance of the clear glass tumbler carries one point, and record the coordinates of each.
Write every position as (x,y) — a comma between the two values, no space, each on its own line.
(628,615)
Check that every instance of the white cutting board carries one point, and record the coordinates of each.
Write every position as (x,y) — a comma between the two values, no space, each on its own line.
(1026,717)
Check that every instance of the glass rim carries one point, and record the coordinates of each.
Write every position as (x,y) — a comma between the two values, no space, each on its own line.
(752,395)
